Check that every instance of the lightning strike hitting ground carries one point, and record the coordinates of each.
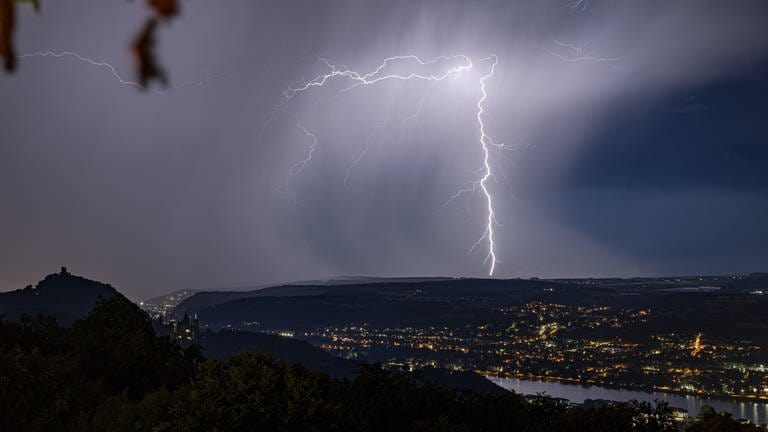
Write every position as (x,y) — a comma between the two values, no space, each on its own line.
(461,63)
(485,141)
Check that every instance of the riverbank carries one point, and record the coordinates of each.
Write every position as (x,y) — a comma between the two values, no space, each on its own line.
(756,412)
(608,385)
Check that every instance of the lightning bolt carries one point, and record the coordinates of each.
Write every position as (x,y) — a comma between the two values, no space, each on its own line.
(460,64)
(367,147)
(579,54)
(485,141)
(357,79)
(299,166)
(92,62)
(468,190)
(575,5)
(413,117)
(113,71)
(376,75)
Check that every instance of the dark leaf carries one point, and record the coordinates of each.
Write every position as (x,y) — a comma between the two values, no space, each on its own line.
(165,8)
(7,23)
(143,50)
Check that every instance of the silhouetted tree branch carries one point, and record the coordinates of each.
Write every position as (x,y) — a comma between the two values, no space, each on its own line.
(147,68)
(7,24)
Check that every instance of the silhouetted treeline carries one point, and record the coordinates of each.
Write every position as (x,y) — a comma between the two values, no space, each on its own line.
(109,372)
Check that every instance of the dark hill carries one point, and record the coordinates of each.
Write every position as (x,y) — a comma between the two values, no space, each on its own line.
(226,343)
(433,302)
(442,287)
(62,295)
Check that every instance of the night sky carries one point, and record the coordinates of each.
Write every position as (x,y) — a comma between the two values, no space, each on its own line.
(641,149)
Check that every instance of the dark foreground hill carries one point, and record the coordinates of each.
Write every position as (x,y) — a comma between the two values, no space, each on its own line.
(62,295)
(227,343)
(109,372)
(68,298)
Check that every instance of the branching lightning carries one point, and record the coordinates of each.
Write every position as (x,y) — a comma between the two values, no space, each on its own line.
(413,117)
(112,70)
(578,5)
(299,166)
(471,189)
(451,66)
(575,5)
(367,147)
(576,54)
(77,56)
(376,75)
(459,64)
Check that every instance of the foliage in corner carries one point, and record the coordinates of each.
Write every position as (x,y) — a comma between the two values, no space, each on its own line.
(147,68)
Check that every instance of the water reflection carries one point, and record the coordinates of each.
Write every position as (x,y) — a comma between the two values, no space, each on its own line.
(755,412)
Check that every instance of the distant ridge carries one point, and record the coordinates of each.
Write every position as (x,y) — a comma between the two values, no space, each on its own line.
(330,281)
(62,295)
(207,298)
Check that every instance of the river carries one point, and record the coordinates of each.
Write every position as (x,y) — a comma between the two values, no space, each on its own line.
(757,412)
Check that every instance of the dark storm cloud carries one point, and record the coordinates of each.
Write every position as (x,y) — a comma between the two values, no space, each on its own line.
(699,137)
(188,188)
